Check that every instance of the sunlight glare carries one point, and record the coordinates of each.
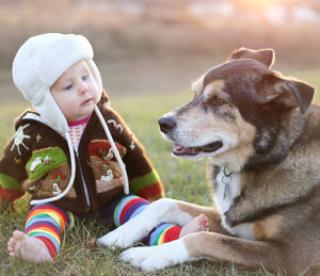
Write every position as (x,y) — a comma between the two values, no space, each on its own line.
(258,4)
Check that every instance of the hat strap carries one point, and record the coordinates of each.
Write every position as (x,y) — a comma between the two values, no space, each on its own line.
(71,179)
(115,150)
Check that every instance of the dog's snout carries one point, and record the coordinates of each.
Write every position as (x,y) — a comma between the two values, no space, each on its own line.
(167,123)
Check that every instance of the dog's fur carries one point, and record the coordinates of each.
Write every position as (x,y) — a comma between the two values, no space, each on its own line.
(262,138)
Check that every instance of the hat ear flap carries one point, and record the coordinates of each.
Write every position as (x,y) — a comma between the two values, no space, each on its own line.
(286,93)
(264,56)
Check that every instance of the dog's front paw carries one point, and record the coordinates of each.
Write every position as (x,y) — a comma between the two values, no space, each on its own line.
(119,237)
(125,235)
(157,257)
(114,239)
(138,255)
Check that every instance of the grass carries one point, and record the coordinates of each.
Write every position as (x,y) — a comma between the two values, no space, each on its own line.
(183,180)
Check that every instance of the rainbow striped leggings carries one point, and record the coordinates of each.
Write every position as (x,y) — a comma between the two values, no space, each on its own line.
(47,222)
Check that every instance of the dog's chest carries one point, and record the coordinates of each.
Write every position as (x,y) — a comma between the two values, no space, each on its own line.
(228,187)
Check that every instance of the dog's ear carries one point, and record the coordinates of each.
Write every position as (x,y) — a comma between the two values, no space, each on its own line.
(286,92)
(264,56)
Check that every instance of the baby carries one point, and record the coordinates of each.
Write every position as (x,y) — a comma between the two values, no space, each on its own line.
(74,154)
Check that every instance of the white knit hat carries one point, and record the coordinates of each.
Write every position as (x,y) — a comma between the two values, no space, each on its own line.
(40,61)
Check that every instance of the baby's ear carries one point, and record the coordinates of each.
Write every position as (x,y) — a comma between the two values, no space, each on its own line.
(264,56)
(286,92)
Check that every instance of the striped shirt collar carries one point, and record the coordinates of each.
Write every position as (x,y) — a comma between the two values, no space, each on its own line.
(82,121)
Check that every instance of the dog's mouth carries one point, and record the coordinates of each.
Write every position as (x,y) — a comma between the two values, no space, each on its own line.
(191,151)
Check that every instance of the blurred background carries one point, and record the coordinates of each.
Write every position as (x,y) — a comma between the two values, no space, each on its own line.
(160,46)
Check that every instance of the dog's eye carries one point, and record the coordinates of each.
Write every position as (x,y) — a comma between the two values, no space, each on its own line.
(217,101)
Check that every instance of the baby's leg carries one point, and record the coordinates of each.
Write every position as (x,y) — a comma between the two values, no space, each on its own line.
(131,206)
(41,239)
(168,232)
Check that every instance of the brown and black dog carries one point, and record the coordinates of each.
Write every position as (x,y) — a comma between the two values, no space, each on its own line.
(261,136)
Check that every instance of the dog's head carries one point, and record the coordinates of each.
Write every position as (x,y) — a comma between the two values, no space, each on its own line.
(237,109)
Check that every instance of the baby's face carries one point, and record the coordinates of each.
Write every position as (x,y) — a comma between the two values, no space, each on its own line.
(76,92)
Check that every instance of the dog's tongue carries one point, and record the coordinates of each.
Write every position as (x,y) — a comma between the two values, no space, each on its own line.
(178,149)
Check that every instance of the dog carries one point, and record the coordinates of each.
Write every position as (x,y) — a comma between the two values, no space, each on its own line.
(261,136)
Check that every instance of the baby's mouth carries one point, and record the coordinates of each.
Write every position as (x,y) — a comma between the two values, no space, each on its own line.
(86,101)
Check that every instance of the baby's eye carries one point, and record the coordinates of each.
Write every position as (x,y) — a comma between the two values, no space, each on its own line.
(85,77)
(68,87)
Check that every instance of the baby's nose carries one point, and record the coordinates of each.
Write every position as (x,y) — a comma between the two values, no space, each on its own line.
(83,87)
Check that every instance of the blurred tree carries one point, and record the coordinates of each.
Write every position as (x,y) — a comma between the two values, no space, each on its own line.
(164,8)
(314,5)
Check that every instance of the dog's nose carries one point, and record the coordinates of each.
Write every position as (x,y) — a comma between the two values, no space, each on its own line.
(167,123)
